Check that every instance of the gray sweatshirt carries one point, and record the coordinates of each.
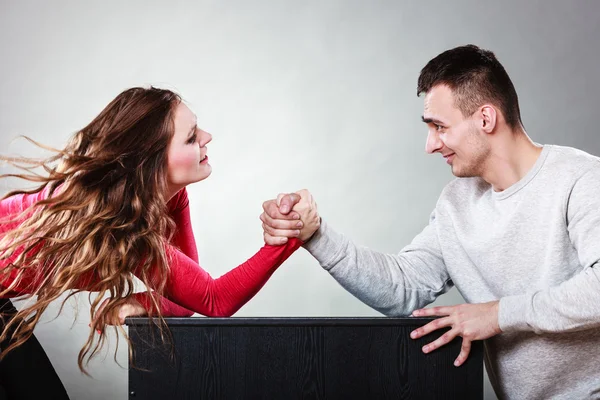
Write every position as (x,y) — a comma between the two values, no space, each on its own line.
(534,246)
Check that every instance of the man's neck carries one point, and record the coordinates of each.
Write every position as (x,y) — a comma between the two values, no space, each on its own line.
(512,157)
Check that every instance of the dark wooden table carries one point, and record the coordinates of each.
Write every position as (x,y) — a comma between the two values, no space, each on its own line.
(297,358)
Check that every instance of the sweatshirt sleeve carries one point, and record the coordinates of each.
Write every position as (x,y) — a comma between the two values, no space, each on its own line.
(393,284)
(574,304)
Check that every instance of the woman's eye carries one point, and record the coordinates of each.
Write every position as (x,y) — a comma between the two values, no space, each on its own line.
(192,139)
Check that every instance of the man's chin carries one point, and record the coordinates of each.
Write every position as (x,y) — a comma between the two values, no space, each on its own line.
(459,173)
(463,174)
(455,171)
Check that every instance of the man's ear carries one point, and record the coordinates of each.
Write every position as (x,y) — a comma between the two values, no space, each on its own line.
(489,118)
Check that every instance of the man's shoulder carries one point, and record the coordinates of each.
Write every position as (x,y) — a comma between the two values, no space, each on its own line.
(570,160)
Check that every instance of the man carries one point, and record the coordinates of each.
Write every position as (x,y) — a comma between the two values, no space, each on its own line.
(518,233)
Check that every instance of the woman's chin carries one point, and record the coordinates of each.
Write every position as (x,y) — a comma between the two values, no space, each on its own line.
(205,174)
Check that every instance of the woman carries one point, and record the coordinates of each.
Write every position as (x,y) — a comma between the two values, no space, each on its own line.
(113,205)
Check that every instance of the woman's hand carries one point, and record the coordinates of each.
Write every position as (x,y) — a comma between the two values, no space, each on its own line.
(132,308)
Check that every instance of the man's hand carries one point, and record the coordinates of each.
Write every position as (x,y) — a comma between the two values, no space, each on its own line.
(290,215)
(470,321)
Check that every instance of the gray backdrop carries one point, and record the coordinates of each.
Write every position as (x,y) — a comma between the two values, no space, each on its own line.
(313,94)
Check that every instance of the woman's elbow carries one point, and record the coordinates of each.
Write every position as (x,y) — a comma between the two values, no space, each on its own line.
(220,313)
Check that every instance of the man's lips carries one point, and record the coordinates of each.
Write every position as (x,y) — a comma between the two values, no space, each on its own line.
(449,157)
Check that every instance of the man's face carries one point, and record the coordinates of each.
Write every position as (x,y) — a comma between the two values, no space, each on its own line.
(458,139)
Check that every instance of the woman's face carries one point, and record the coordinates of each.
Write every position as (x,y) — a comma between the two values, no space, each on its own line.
(186,156)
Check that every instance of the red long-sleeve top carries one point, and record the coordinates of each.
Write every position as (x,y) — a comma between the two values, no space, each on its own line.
(189,287)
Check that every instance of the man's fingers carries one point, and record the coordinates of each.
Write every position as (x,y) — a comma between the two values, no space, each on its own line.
(464,353)
(441,341)
(306,197)
(430,327)
(287,202)
(433,311)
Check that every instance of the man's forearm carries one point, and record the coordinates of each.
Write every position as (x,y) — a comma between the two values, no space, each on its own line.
(395,285)
(571,306)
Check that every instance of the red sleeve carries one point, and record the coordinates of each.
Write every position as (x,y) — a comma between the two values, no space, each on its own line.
(167,307)
(13,205)
(10,208)
(191,288)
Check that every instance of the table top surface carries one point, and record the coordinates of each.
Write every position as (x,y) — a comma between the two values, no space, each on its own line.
(287,321)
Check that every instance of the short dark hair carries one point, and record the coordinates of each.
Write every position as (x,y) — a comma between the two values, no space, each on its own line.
(475,76)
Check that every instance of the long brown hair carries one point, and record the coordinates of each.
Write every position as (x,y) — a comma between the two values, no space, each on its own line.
(104,218)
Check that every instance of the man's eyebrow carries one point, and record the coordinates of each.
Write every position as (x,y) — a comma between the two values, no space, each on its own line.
(432,120)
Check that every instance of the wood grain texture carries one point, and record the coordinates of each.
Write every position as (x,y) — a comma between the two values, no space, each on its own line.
(362,358)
